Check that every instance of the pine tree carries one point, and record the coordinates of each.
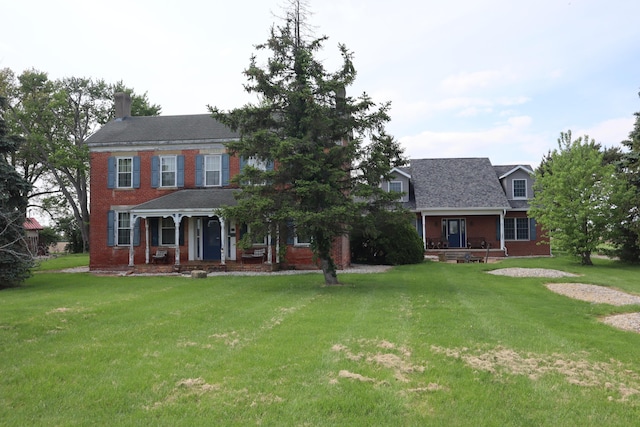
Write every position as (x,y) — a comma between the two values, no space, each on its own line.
(15,259)
(330,150)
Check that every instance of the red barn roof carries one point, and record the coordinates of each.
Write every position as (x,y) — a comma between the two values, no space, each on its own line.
(32,224)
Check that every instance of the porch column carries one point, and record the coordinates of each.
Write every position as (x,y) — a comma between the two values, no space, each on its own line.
(502,247)
(132,226)
(176,221)
(424,230)
(146,241)
(223,240)
(269,247)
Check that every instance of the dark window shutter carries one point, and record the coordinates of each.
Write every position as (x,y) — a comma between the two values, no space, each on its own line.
(111,222)
(498,229)
(111,174)
(180,161)
(532,229)
(155,171)
(136,172)
(199,170)
(243,163)
(136,232)
(225,169)
(270,165)
(153,225)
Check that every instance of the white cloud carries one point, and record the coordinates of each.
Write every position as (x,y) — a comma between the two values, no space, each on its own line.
(508,142)
(609,132)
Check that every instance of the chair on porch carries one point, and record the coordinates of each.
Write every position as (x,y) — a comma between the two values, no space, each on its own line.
(161,256)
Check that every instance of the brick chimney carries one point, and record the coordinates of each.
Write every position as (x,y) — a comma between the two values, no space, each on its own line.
(123,105)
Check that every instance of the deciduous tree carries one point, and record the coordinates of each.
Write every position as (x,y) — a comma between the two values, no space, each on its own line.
(576,196)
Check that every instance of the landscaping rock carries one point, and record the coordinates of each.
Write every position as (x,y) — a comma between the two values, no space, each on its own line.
(198,274)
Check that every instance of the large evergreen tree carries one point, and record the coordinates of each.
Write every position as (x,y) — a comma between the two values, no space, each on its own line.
(15,259)
(330,149)
(575,196)
(627,232)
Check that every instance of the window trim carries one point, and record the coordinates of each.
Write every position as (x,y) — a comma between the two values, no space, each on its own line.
(161,242)
(205,170)
(513,189)
(514,224)
(297,242)
(118,172)
(117,229)
(162,172)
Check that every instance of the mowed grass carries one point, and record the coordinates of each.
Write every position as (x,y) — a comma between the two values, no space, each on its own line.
(431,344)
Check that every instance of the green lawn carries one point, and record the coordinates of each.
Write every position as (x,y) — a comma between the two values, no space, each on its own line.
(432,344)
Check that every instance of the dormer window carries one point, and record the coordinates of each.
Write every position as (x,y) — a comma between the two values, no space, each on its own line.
(396,187)
(519,188)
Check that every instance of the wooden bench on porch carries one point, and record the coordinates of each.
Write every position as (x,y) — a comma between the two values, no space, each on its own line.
(460,257)
(476,243)
(258,255)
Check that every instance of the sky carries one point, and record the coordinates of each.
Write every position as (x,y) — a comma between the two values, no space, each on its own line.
(466,78)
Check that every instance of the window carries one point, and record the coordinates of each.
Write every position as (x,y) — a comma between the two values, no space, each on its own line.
(302,239)
(212,171)
(257,163)
(516,228)
(168,171)
(519,188)
(167,232)
(124,229)
(257,240)
(396,187)
(125,172)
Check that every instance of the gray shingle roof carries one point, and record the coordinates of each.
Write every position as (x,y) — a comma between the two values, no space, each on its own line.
(460,183)
(197,199)
(185,128)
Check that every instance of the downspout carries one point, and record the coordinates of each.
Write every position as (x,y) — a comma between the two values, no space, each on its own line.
(424,230)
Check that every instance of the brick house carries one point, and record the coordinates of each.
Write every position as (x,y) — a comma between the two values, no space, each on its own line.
(157,185)
(469,203)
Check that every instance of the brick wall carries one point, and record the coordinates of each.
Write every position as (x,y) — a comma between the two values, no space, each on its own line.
(103,199)
(485,227)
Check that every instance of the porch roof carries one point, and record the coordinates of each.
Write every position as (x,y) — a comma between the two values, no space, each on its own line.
(192,200)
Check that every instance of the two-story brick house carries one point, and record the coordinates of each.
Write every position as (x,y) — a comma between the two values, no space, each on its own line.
(157,185)
(469,203)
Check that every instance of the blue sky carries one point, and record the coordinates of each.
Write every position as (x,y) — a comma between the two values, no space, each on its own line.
(492,78)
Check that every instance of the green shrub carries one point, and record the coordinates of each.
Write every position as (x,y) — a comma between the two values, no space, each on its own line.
(386,237)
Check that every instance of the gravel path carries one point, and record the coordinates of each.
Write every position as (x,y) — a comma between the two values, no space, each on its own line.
(530,272)
(590,293)
(354,268)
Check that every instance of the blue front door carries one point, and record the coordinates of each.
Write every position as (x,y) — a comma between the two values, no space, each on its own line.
(456,234)
(211,239)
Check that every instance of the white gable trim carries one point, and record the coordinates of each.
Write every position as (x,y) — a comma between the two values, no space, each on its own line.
(520,167)
(396,170)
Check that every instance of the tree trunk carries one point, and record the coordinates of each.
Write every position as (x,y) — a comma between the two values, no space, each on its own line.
(329,271)
(586,258)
